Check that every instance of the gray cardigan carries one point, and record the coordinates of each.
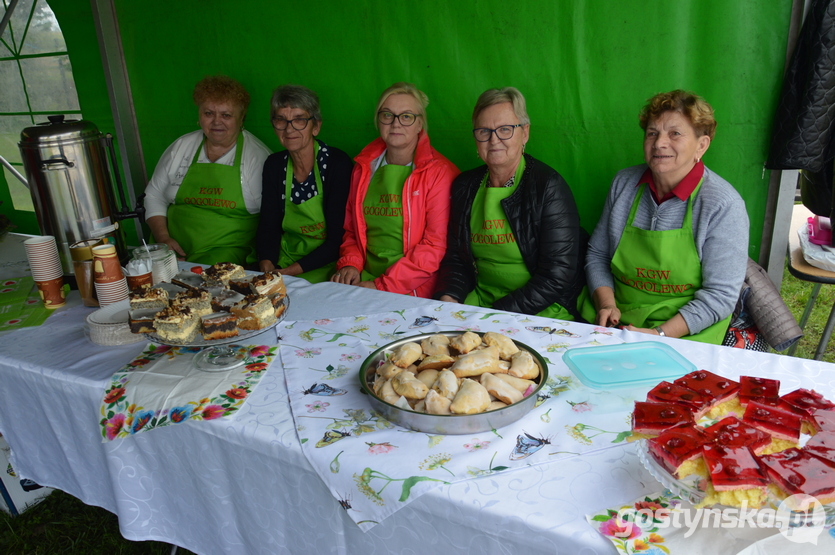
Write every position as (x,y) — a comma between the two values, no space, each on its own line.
(720,230)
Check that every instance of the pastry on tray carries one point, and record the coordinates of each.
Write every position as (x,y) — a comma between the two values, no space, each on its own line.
(221,273)
(219,325)
(142,320)
(148,297)
(254,312)
(176,324)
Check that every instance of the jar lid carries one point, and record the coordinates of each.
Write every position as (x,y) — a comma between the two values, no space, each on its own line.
(83,250)
(154,251)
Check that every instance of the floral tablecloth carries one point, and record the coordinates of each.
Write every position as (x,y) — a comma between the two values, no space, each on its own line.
(162,387)
(373,467)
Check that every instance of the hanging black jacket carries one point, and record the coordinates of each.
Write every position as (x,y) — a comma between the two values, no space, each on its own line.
(544,219)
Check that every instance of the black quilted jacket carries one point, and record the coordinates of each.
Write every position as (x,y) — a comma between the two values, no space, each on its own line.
(804,125)
(543,217)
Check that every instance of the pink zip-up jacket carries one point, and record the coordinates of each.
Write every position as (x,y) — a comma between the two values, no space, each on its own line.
(426,200)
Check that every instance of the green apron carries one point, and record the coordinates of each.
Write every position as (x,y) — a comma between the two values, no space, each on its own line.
(669,275)
(209,218)
(500,268)
(383,211)
(303,227)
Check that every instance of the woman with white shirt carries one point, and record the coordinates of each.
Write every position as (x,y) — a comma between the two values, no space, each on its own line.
(204,198)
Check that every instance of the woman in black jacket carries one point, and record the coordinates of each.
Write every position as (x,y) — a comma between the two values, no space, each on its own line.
(305,189)
(515,241)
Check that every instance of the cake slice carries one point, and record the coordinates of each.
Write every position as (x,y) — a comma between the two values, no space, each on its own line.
(666,392)
(242,285)
(650,419)
(142,320)
(198,300)
(796,472)
(254,312)
(269,284)
(176,324)
(224,299)
(147,298)
(720,392)
(763,390)
(676,446)
(822,446)
(732,432)
(219,325)
(277,300)
(779,423)
(735,476)
(824,420)
(221,273)
(805,403)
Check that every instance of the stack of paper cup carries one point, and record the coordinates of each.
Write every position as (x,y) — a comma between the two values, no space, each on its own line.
(111,286)
(42,253)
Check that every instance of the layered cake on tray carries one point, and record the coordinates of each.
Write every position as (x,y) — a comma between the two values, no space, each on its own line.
(748,446)
(177,312)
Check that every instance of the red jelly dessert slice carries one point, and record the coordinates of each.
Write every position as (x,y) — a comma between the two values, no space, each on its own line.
(666,392)
(778,423)
(797,472)
(805,402)
(824,420)
(733,432)
(654,418)
(822,446)
(676,446)
(733,468)
(758,389)
(716,388)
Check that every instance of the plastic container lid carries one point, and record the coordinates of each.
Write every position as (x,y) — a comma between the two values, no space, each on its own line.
(627,365)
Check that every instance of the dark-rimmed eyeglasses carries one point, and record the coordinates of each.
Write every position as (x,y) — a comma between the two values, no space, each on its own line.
(297,123)
(406,119)
(505,132)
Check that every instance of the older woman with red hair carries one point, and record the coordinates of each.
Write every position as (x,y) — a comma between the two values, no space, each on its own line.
(669,253)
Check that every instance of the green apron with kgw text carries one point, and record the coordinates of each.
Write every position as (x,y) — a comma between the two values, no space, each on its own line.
(383,212)
(658,272)
(500,268)
(209,218)
(303,227)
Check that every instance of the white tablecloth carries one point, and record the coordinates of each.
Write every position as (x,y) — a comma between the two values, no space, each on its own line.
(242,485)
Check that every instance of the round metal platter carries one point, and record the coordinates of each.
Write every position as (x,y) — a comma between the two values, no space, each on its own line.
(446,424)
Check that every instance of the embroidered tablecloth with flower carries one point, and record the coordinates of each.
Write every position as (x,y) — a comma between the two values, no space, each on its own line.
(163,387)
(373,467)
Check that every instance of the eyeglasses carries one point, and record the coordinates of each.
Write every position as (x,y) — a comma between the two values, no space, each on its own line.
(297,123)
(406,119)
(505,132)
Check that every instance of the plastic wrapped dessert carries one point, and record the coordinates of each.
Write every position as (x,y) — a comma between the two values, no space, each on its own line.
(197,308)
(722,442)
(453,382)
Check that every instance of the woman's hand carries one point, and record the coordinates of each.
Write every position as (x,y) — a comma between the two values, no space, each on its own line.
(159,229)
(648,331)
(448,299)
(368,285)
(293,269)
(266,266)
(608,316)
(347,275)
(174,246)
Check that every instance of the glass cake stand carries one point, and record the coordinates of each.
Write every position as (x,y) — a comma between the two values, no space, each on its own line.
(221,354)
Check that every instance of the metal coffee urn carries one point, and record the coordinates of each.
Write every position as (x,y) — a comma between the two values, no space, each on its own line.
(71,186)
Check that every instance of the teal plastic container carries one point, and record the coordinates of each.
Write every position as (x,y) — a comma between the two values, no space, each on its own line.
(627,365)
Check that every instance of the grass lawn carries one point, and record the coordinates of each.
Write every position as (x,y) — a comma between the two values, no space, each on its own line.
(63,524)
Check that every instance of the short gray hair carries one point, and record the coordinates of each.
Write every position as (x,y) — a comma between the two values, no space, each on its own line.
(296,96)
(500,96)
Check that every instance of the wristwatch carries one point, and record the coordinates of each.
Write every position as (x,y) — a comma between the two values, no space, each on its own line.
(660,331)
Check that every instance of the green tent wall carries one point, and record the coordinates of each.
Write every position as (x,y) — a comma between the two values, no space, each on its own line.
(585,67)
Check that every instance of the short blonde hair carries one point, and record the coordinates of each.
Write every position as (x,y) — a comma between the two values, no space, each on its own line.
(404,88)
(220,88)
(688,104)
(491,97)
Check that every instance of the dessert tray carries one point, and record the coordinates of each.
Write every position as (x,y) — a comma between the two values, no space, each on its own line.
(442,423)
(220,354)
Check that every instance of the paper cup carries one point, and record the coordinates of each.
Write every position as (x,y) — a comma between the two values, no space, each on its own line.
(113,292)
(44,261)
(52,292)
(134,282)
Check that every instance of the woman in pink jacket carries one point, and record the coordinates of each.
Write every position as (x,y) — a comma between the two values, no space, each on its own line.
(398,205)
